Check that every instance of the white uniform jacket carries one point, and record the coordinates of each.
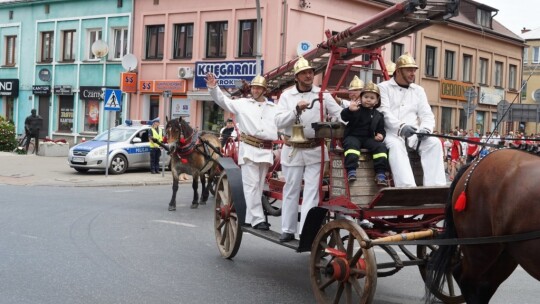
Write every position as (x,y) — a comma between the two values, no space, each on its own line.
(255,119)
(405,106)
(286,118)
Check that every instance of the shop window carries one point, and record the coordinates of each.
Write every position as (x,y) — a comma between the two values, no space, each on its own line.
(91,115)
(47,40)
(155,35)
(212,117)
(183,41)
(247,38)
(446,119)
(65,114)
(10,108)
(216,39)
(154,107)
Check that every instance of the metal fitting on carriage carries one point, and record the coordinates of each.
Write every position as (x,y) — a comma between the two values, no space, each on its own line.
(366,224)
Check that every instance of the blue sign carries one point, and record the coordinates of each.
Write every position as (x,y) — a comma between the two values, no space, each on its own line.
(226,72)
(113,100)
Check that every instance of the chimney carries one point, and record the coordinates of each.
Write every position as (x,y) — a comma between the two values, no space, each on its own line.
(524,30)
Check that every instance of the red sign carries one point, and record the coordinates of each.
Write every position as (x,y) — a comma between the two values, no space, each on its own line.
(128,82)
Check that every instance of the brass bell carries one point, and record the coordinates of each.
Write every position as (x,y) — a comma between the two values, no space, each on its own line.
(298,134)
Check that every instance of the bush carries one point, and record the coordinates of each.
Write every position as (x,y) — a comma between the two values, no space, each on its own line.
(8,141)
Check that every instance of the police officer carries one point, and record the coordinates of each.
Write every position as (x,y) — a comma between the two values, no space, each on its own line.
(155,134)
(406,111)
(32,125)
(301,161)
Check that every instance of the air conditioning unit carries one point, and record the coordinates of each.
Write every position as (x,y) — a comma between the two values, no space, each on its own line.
(185,72)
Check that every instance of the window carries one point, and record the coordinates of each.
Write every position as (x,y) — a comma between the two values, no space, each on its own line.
(467,68)
(446,119)
(512,76)
(248,38)
(525,54)
(183,41)
(498,73)
(154,106)
(397,50)
(536,54)
(93,36)
(154,41)
(483,18)
(46,54)
(10,50)
(120,36)
(68,44)
(430,60)
(483,71)
(449,64)
(216,40)
(524,90)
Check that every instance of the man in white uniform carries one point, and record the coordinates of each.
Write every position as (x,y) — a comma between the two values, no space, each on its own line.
(255,117)
(301,161)
(406,111)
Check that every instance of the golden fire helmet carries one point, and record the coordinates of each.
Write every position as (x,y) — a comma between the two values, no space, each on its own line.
(259,81)
(390,68)
(301,65)
(406,61)
(356,84)
(371,87)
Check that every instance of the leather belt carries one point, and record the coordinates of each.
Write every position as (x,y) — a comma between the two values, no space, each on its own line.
(256,142)
(310,143)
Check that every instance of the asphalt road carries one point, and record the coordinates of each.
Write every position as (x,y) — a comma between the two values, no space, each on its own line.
(121,245)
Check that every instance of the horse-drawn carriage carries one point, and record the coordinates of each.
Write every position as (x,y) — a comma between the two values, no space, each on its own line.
(351,219)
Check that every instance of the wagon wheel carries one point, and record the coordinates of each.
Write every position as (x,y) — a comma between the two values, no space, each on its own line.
(226,225)
(341,270)
(450,292)
(270,207)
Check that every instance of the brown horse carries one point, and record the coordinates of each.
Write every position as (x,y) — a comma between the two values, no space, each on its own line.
(497,195)
(196,150)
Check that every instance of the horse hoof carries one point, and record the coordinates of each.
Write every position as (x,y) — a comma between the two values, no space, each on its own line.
(194,206)
(172,208)
(202,203)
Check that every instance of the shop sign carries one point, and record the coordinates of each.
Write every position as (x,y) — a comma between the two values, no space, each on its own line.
(95,93)
(9,87)
(41,90)
(159,86)
(128,82)
(228,73)
(490,96)
(62,90)
(454,90)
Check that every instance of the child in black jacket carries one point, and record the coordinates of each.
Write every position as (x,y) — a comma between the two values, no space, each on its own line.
(365,129)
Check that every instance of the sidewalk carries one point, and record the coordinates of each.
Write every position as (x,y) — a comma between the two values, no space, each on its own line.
(32,170)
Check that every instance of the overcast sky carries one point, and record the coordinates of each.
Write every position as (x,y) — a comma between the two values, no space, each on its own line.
(516,14)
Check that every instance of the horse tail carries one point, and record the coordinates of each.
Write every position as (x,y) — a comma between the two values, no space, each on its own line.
(440,263)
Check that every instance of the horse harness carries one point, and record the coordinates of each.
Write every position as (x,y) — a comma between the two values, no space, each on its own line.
(195,144)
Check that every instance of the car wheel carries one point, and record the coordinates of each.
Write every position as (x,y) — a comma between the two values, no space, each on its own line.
(119,164)
(81,170)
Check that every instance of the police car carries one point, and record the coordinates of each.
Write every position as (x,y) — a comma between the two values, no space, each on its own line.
(129,147)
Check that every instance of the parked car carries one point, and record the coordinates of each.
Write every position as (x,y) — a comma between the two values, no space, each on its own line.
(129,148)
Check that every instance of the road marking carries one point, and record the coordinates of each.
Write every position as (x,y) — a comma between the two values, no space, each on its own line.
(122,191)
(175,223)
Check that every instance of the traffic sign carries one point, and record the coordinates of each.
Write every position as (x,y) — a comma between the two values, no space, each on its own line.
(470,93)
(113,100)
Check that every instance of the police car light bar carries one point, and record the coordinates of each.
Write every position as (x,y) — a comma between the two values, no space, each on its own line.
(131,122)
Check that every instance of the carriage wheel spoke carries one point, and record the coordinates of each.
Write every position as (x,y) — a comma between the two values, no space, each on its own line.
(348,293)
(224,236)
(356,285)
(223,197)
(221,224)
(350,244)
(356,257)
(337,238)
(339,293)
(326,283)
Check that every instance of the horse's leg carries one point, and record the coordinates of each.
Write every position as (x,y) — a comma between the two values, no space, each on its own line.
(172,203)
(204,191)
(195,186)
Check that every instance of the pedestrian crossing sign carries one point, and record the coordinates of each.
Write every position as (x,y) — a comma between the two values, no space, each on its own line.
(113,100)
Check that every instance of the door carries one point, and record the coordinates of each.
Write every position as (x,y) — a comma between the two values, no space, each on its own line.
(43,111)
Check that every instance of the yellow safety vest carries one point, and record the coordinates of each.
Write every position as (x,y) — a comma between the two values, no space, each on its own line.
(158,135)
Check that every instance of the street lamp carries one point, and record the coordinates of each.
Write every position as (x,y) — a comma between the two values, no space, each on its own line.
(471,94)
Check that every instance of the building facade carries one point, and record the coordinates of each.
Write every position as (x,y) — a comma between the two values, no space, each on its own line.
(47,55)
(531,76)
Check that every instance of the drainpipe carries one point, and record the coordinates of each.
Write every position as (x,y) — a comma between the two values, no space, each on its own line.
(258,54)
(283,31)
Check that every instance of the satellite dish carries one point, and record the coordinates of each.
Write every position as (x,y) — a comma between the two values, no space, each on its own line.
(129,62)
(536,95)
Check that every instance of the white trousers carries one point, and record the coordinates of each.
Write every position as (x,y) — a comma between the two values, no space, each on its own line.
(253,179)
(431,155)
(291,194)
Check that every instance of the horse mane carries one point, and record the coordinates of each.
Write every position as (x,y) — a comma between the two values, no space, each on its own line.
(439,263)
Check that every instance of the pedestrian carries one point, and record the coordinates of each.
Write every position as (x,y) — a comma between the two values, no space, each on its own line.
(455,154)
(155,134)
(301,161)
(365,129)
(255,116)
(228,131)
(472,148)
(407,112)
(32,126)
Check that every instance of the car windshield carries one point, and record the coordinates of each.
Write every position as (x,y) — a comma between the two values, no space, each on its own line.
(117,134)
